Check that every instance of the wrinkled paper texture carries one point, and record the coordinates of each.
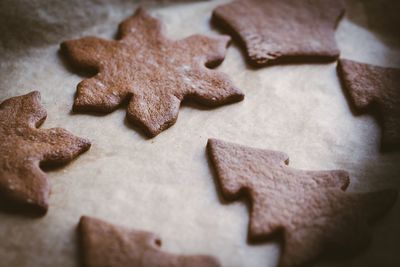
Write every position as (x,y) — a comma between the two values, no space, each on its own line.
(166,184)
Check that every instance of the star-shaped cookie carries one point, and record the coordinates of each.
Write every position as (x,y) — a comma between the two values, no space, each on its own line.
(310,210)
(24,148)
(153,73)
(377,89)
(107,245)
(274,31)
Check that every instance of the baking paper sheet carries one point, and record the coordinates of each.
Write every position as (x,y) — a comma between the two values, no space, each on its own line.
(165,185)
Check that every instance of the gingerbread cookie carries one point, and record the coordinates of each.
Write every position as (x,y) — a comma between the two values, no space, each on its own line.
(154,73)
(107,245)
(274,31)
(308,209)
(24,148)
(375,88)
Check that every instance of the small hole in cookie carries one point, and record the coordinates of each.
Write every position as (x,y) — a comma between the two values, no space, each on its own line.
(158,242)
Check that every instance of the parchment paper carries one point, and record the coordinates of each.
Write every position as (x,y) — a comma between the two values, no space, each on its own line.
(165,185)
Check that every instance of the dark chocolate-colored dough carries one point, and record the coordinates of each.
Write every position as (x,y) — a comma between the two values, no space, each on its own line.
(310,210)
(154,73)
(374,88)
(24,148)
(107,245)
(275,31)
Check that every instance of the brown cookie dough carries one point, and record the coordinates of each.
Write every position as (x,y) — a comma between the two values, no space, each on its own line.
(24,148)
(154,73)
(308,209)
(377,89)
(107,245)
(274,31)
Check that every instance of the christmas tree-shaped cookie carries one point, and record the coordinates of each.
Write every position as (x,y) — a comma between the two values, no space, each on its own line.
(309,209)
(377,89)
